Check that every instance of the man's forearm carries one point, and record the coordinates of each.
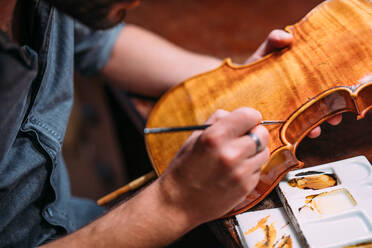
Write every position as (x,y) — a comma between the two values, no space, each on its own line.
(147,220)
(145,63)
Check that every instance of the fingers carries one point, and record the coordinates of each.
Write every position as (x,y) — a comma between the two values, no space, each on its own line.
(218,115)
(220,166)
(278,39)
(334,121)
(227,138)
(245,147)
(233,125)
(248,172)
(254,164)
(226,126)
(242,152)
(314,133)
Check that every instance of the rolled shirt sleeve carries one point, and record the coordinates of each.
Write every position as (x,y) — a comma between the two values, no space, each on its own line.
(93,48)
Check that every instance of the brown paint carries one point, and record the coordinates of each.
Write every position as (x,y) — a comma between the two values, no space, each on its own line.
(285,242)
(270,237)
(313,182)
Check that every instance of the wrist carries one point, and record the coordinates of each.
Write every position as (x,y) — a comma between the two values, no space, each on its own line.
(175,203)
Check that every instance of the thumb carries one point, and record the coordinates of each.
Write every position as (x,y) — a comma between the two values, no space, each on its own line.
(278,39)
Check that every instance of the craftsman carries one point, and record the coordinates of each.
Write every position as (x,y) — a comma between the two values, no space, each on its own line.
(39,48)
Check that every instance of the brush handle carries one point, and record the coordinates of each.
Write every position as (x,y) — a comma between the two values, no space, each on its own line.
(193,128)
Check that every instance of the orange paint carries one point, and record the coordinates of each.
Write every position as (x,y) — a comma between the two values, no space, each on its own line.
(260,224)
(313,182)
(269,232)
(285,242)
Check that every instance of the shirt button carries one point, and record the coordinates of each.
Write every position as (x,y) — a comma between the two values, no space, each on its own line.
(50,212)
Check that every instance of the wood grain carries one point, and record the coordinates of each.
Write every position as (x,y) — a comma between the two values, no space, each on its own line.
(331,48)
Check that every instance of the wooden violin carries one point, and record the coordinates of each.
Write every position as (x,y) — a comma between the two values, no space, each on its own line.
(326,71)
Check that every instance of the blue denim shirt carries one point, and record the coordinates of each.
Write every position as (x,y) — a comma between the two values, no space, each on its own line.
(36,96)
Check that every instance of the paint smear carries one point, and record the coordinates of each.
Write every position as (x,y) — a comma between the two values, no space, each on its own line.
(329,202)
(314,182)
(261,224)
(270,235)
(285,242)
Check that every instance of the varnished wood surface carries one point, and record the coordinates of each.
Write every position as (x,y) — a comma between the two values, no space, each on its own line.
(331,47)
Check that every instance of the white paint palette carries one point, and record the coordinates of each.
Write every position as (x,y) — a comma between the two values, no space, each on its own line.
(252,227)
(336,216)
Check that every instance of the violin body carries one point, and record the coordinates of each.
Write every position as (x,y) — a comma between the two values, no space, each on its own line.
(326,71)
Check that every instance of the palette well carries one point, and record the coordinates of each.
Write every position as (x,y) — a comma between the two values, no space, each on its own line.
(266,228)
(330,205)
